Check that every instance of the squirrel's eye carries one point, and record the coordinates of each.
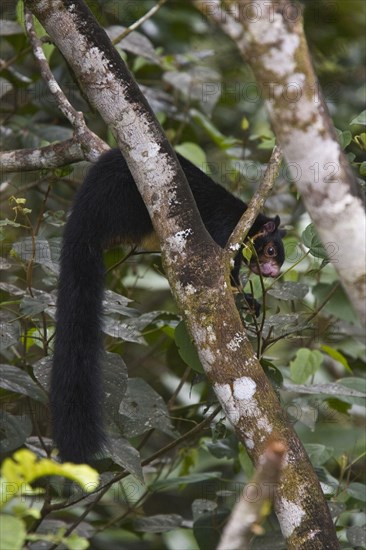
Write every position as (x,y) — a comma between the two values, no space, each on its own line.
(270,251)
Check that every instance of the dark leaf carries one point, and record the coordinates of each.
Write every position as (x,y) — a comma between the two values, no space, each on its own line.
(202,506)
(357,490)
(143,409)
(15,380)
(289,291)
(186,349)
(9,334)
(159,523)
(184,480)
(126,456)
(207,528)
(356,535)
(224,448)
(15,430)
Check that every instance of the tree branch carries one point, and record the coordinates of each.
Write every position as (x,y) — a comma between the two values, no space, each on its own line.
(90,143)
(256,203)
(306,134)
(252,507)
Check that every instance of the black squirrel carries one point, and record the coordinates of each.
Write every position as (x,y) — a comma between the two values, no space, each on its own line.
(109,208)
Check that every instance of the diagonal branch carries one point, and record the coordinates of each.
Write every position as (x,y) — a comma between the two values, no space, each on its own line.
(256,203)
(90,143)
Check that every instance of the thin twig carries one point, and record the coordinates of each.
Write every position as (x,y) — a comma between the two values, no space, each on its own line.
(256,203)
(139,22)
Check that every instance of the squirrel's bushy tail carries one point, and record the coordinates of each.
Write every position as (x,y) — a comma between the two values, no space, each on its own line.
(76,384)
(107,207)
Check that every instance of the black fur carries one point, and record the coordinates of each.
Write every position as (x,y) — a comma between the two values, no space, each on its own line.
(109,207)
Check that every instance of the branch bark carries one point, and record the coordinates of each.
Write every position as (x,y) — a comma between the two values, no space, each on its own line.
(276,48)
(252,507)
(195,265)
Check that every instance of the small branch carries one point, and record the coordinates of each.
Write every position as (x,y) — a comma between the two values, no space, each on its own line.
(138,23)
(250,511)
(215,11)
(90,143)
(48,157)
(256,203)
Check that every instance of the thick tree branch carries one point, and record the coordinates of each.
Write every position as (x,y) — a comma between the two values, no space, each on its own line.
(307,137)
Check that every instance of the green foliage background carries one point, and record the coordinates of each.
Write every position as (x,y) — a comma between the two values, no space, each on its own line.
(308,338)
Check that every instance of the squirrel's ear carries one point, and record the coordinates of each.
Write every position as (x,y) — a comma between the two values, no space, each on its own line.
(277,221)
(270,226)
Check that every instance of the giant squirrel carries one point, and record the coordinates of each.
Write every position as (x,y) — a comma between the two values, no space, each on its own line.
(109,208)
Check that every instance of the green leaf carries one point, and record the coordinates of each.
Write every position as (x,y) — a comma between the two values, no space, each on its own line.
(305,364)
(338,305)
(223,448)
(318,454)
(337,356)
(75,542)
(192,152)
(184,480)
(13,532)
(289,291)
(311,239)
(159,523)
(357,490)
(186,349)
(220,139)
(360,119)
(6,221)
(345,138)
(15,380)
(24,468)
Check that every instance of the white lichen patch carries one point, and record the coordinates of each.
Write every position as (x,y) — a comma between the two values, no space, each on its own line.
(146,153)
(249,443)
(200,335)
(282,55)
(211,334)
(225,396)
(244,388)
(236,341)
(208,357)
(178,241)
(264,424)
(290,516)
(190,289)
